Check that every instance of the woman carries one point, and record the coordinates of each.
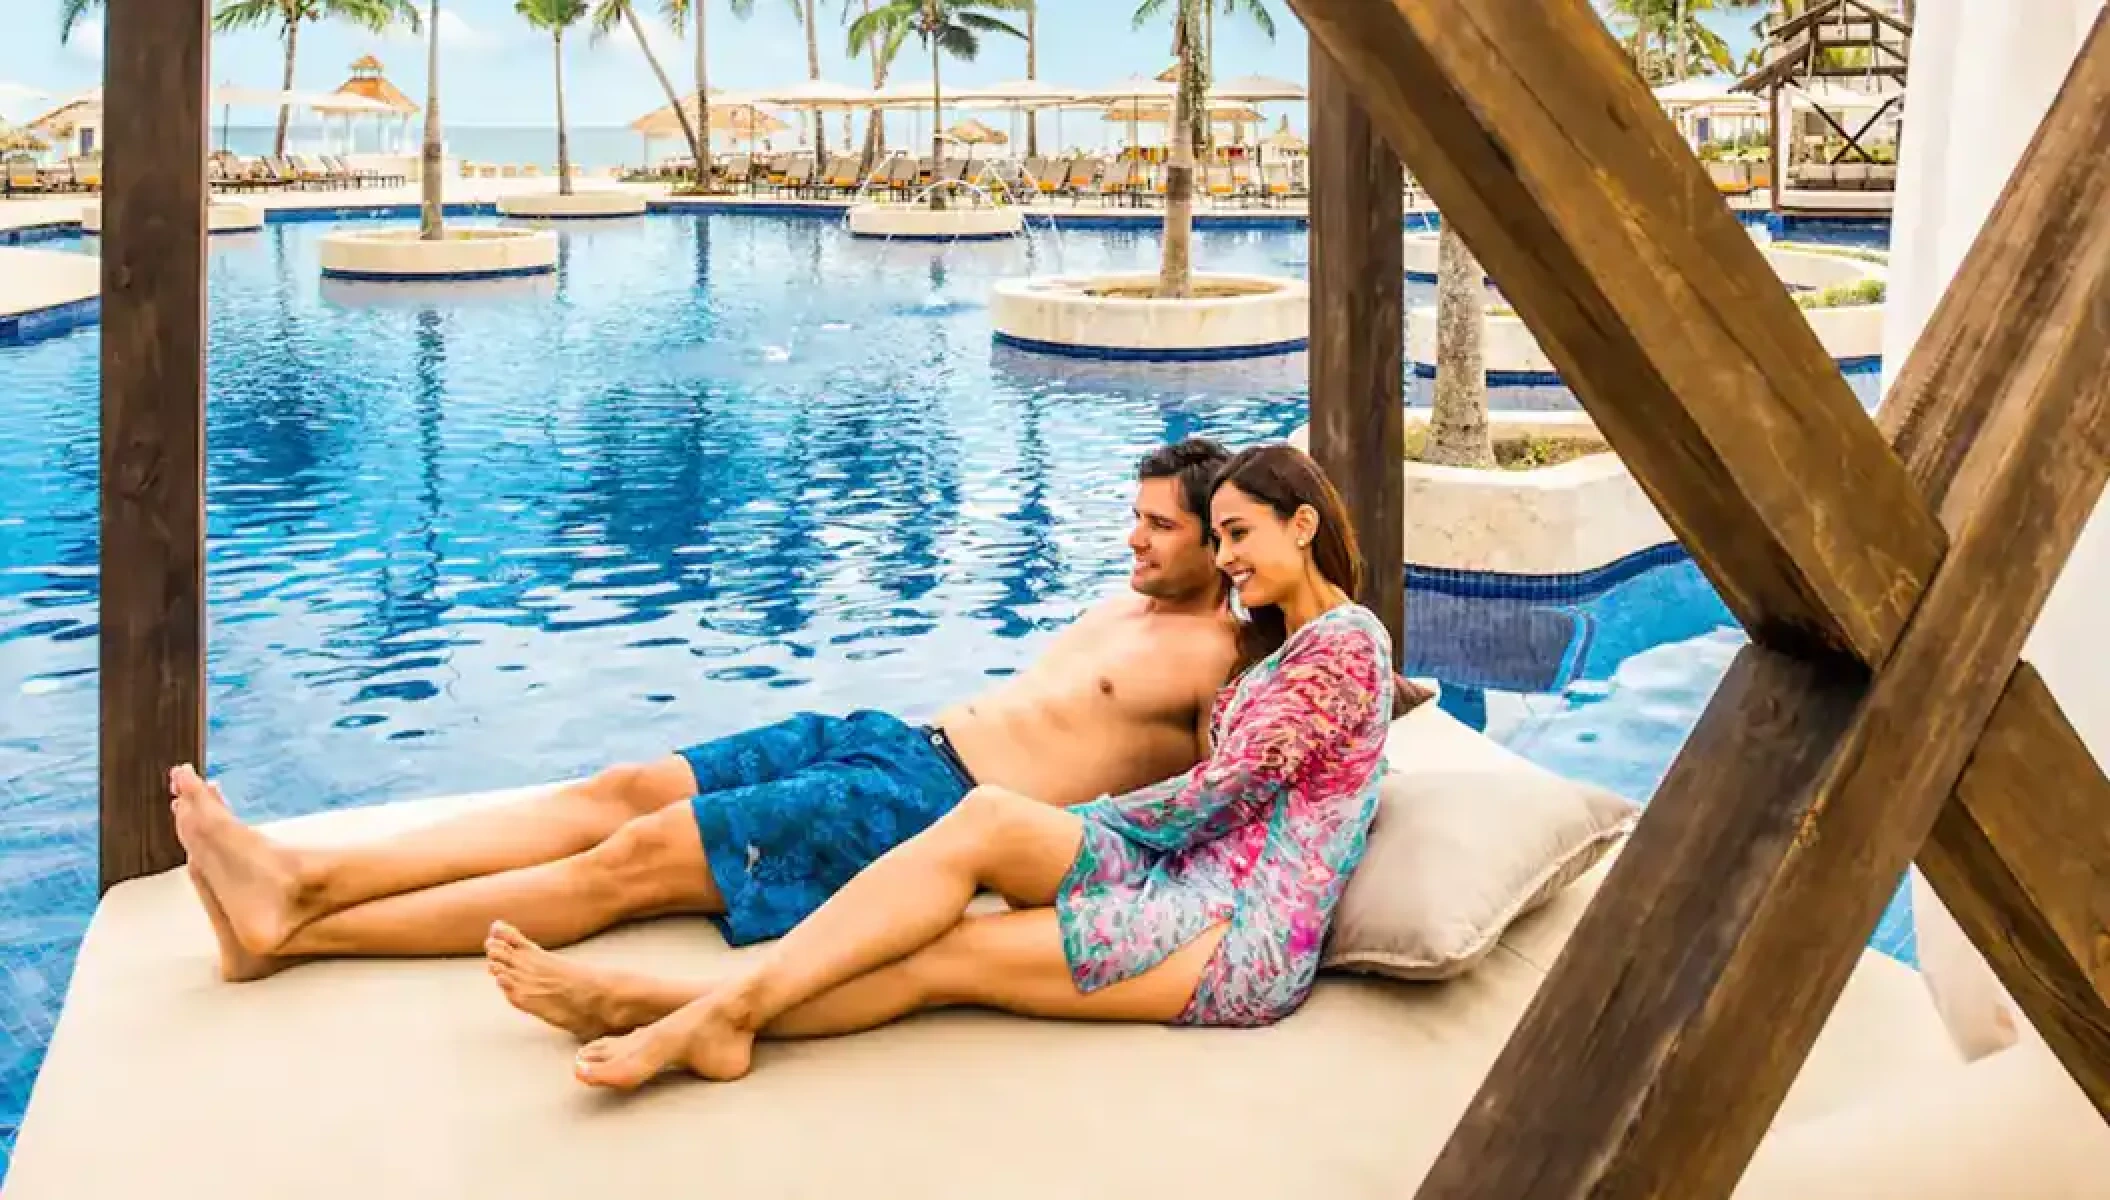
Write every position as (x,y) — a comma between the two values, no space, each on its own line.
(1201,900)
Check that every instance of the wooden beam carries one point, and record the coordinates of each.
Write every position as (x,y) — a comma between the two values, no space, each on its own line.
(1529,126)
(153,425)
(1358,353)
(1680,1018)
(2021,856)
(1694,1015)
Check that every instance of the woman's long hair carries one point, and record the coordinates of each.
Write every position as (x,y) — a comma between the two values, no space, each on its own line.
(1285,479)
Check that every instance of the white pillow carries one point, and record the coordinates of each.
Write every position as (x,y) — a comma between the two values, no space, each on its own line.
(1468,838)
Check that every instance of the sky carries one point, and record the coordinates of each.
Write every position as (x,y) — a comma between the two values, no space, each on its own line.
(496,70)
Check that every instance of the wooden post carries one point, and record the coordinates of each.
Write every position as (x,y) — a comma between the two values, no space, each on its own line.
(153,425)
(1358,284)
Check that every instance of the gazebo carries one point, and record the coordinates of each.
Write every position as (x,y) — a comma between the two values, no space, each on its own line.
(1838,61)
(368,82)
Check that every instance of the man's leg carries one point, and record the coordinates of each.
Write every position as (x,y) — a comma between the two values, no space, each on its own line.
(267,890)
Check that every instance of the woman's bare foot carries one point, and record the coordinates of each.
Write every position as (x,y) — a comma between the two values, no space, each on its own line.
(237,964)
(569,995)
(257,885)
(709,1037)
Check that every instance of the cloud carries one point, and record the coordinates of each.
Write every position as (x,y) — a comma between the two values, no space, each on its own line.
(455,34)
(87,40)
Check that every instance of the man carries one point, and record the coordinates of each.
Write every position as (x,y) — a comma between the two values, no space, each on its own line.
(757,829)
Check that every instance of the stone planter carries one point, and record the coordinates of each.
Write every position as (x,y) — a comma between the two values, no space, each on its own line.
(398,255)
(580,205)
(1112,316)
(918,222)
(1852,334)
(221,216)
(1561,520)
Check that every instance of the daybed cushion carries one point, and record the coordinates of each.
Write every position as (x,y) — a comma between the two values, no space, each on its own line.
(1468,838)
(412,1080)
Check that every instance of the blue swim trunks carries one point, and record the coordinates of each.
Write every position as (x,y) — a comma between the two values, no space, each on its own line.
(789,812)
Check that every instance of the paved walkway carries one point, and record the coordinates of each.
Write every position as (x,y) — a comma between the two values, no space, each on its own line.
(32,280)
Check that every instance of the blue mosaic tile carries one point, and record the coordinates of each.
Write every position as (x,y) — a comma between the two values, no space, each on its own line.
(1545,588)
(1130,354)
(51,322)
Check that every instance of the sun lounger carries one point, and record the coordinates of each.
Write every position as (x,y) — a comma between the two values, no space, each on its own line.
(412,1080)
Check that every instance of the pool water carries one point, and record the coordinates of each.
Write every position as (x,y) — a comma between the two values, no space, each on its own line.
(719,470)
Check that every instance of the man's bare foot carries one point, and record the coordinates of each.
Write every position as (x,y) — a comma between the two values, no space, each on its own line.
(708,1037)
(257,885)
(569,995)
(237,964)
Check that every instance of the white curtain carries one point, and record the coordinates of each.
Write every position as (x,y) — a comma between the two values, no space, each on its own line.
(1984,73)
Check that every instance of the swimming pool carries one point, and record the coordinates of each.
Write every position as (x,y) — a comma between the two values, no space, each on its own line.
(719,470)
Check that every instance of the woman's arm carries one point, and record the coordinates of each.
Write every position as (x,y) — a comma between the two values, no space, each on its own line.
(1318,701)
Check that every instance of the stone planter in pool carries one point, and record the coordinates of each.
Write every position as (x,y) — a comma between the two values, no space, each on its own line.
(1114,316)
(1566,519)
(221,216)
(913,221)
(1851,334)
(398,255)
(580,205)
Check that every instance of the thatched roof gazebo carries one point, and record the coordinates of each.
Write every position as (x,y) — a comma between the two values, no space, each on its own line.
(367,80)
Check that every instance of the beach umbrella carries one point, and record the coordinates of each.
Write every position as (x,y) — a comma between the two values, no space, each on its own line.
(1284,138)
(1256,89)
(971,133)
(1126,100)
(1014,94)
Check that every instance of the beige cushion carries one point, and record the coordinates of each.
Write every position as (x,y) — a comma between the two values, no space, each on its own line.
(1468,838)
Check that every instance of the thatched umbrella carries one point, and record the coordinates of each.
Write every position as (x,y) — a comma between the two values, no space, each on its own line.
(16,140)
(971,133)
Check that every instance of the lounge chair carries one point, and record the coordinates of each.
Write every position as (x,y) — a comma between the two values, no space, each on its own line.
(297,1079)
(23,179)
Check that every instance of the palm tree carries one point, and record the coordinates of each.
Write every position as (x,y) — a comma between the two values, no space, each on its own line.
(1254,10)
(1458,433)
(678,13)
(881,51)
(287,15)
(1032,72)
(952,26)
(607,14)
(1665,35)
(556,16)
(431,227)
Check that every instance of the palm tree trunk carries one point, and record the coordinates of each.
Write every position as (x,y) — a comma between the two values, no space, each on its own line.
(1032,72)
(688,131)
(937,116)
(563,134)
(1176,265)
(1677,25)
(698,11)
(431,227)
(875,124)
(1207,138)
(813,72)
(1458,433)
(278,142)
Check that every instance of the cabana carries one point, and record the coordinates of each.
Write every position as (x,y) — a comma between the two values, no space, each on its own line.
(1842,64)
(1698,1019)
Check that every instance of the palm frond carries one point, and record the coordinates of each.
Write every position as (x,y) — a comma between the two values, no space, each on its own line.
(892,22)
(677,14)
(376,15)
(1148,11)
(983,23)
(551,16)
(607,18)
(72,13)
(247,14)
(959,41)
(1256,11)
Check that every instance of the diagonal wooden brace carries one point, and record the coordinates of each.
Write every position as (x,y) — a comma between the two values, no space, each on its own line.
(1696,983)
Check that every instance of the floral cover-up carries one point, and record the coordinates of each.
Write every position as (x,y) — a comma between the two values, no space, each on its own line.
(1262,835)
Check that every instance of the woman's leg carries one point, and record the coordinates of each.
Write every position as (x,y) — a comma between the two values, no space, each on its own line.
(1009,961)
(899,905)
(266,890)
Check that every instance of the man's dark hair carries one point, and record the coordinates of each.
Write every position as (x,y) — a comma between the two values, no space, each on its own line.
(1194,462)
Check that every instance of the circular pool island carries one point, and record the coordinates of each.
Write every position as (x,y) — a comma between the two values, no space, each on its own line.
(401,256)
(221,216)
(579,206)
(1116,316)
(919,222)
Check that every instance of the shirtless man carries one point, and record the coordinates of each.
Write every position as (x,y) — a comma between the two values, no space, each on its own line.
(757,829)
